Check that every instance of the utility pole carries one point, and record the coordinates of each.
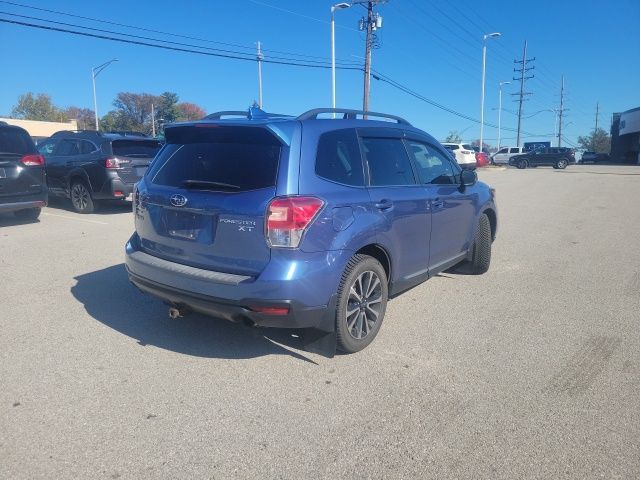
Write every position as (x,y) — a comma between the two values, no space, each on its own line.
(560,112)
(153,121)
(523,69)
(260,57)
(370,24)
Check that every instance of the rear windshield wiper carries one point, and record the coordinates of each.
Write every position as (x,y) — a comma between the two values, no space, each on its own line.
(206,185)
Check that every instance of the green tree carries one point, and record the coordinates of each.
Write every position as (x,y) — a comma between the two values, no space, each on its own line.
(38,107)
(117,120)
(453,137)
(167,108)
(133,111)
(598,141)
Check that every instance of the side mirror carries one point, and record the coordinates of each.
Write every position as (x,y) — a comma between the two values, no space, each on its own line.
(468,177)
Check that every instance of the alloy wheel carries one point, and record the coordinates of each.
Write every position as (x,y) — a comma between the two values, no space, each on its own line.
(364,304)
(80,196)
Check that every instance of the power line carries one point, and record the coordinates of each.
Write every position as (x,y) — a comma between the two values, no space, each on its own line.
(177,49)
(523,78)
(199,39)
(377,75)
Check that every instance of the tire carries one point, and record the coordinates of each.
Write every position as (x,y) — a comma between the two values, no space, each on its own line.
(28,214)
(359,317)
(561,164)
(81,197)
(522,164)
(481,252)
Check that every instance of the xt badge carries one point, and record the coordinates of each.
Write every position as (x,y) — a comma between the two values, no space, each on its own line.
(243,225)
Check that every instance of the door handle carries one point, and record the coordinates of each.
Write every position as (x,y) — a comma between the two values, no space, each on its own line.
(437,203)
(384,204)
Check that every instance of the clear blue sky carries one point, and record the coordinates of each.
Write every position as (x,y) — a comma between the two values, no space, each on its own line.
(433,47)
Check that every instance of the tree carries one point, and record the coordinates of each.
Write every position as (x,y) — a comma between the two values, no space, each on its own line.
(133,110)
(84,116)
(485,146)
(167,108)
(453,137)
(190,111)
(117,120)
(599,141)
(38,107)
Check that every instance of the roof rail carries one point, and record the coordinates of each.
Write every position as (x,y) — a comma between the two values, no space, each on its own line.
(91,132)
(128,133)
(253,113)
(349,114)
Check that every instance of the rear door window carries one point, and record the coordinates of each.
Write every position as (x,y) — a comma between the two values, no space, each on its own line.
(339,157)
(388,162)
(87,147)
(14,140)
(514,150)
(218,158)
(135,148)
(67,148)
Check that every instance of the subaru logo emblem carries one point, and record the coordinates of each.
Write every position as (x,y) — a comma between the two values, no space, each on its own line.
(178,200)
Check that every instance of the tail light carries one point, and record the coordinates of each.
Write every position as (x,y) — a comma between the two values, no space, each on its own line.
(112,162)
(288,218)
(467,152)
(32,160)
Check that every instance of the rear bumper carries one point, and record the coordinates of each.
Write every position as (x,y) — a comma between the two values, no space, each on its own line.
(303,283)
(13,204)
(114,188)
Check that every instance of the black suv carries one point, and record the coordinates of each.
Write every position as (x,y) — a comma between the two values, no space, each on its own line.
(556,157)
(22,177)
(87,165)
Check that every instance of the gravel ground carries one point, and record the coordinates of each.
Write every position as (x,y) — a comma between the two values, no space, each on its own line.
(529,371)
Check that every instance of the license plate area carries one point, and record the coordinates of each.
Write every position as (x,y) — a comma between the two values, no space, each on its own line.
(188,225)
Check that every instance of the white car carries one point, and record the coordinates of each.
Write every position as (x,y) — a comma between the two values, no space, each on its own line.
(502,156)
(463,152)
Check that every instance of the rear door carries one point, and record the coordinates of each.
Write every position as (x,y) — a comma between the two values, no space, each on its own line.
(405,220)
(135,156)
(57,163)
(16,178)
(203,201)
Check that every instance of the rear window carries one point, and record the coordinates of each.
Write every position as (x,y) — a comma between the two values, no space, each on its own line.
(13,140)
(451,147)
(222,158)
(466,146)
(339,157)
(135,148)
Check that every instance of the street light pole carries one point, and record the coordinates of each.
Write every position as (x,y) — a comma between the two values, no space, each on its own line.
(500,110)
(94,73)
(484,59)
(337,6)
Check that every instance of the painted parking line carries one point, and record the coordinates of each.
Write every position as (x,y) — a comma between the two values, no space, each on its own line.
(75,218)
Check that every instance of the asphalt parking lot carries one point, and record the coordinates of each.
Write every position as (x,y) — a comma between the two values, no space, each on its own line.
(529,371)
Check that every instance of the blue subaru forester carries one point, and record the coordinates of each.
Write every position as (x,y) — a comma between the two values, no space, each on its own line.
(306,222)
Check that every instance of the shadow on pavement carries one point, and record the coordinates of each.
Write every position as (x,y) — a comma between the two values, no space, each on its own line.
(110,298)
(9,219)
(104,207)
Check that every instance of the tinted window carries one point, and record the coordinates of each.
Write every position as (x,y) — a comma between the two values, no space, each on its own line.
(514,150)
(451,147)
(135,148)
(433,166)
(68,147)
(503,150)
(466,146)
(241,158)
(87,147)
(339,157)
(14,140)
(46,148)
(388,162)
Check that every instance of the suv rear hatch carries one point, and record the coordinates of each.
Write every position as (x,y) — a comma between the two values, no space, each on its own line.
(21,167)
(133,157)
(203,201)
